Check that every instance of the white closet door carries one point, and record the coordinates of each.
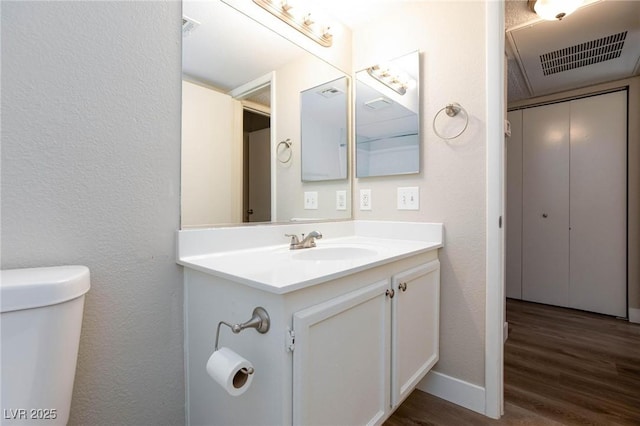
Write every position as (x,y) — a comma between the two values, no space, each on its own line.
(545,216)
(598,204)
(513,222)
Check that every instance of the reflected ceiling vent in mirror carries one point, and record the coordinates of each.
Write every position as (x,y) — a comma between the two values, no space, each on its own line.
(329,92)
(188,25)
(378,103)
(584,54)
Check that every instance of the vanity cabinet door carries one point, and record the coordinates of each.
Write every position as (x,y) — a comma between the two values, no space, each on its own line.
(415,327)
(341,359)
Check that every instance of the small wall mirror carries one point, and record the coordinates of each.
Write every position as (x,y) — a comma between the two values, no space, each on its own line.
(324,131)
(387,118)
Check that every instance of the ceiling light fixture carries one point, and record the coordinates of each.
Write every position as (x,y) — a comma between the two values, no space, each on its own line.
(304,23)
(552,10)
(389,78)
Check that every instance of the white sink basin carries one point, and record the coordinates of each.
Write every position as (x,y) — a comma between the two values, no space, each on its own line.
(334,253)
(278,270)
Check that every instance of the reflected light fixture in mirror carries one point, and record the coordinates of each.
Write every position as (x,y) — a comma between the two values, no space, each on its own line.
(392,79)
(288,12)
(551,10)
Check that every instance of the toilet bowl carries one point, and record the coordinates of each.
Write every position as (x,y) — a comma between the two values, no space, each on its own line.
(40,321)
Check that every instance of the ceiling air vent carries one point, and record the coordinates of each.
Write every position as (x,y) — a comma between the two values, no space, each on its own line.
(581,55)
(188,25)
(378,103)
(329,92)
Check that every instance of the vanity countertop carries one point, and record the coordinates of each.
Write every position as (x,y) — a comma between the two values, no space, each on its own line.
(279,270)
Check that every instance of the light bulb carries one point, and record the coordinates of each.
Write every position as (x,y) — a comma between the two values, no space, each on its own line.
(552,10)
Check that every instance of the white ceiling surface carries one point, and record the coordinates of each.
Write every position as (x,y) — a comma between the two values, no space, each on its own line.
(222,35)
(226,33)
(529,37)
(228,49)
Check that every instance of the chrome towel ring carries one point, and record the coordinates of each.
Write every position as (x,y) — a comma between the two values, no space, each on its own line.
(284,154)
(451,110)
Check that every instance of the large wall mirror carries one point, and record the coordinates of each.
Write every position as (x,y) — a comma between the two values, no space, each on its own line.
(242,113)
(387,118)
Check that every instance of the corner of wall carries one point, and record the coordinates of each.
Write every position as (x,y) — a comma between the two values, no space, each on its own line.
(454,390)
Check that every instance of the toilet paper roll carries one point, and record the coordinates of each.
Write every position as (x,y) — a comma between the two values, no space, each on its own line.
(230,370)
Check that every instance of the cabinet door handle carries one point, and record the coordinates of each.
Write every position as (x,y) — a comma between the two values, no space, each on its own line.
(390,292)
(545,215)
(402,286)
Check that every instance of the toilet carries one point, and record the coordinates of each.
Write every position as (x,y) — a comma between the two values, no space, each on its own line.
(40,321)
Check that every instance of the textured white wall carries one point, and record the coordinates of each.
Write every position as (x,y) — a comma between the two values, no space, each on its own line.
(450,37)
(90,175)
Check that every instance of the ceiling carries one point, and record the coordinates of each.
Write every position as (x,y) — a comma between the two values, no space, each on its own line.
(612,23)
(215,52)
(599,42)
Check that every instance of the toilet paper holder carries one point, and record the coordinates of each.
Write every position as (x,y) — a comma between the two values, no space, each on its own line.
(259,320)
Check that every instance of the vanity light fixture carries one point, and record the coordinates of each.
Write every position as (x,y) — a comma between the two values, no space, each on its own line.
(304,23)
(389,78)
(554,9)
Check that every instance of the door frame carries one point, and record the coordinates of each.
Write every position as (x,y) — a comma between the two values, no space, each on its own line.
(495,181)
(241,93)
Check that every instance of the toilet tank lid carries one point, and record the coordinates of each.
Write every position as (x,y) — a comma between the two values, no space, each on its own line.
(36,287)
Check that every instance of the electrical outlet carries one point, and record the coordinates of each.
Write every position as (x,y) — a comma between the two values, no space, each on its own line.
(341,200)
(409,198)
(311,200)
(365,199)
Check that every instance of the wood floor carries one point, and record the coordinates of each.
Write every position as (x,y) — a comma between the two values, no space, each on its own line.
(561,367)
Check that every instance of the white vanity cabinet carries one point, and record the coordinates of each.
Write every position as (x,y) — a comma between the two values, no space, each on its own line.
(341,359)
(359,355)
(346,351)
(354,322)
(414,346)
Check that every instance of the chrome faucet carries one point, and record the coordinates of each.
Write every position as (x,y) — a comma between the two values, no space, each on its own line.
(307,242)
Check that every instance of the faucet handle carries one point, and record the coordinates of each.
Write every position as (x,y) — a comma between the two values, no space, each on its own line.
(294,238)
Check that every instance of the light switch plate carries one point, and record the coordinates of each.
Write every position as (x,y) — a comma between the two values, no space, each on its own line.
(311,200)
(409,198)
(365,199)
(341,200)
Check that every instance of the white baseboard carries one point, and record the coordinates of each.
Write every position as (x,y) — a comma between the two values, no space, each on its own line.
(634,315)
(454,390)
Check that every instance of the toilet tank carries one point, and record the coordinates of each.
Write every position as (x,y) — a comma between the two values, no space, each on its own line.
(40,322)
